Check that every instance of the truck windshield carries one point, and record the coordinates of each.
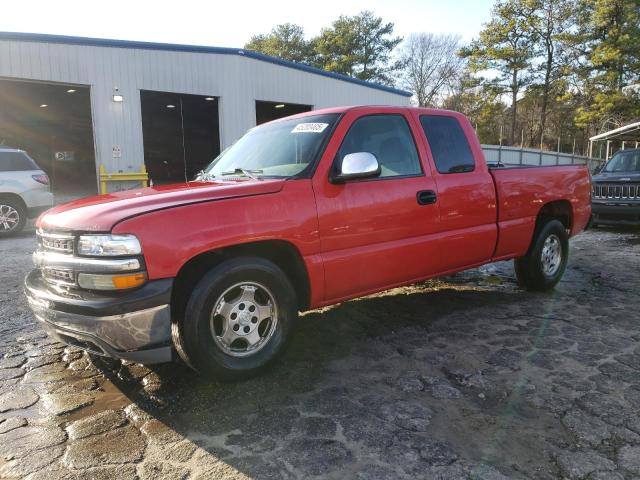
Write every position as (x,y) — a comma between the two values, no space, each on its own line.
(624,162)
(281,149)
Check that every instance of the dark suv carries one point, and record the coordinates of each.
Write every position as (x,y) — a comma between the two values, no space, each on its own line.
(616,190)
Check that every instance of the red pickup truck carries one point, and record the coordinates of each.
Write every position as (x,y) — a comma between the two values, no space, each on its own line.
(300,213)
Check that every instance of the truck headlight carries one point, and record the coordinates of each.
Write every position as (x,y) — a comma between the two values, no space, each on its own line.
(108,245)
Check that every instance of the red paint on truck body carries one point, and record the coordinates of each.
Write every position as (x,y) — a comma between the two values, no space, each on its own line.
(356,237)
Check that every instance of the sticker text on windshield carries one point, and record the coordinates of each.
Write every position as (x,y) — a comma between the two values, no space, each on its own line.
(309,128)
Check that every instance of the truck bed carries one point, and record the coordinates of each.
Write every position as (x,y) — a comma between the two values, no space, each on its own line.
(523,190)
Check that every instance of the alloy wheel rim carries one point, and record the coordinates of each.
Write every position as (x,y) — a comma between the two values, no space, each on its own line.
(9,218)
(551,255)
(244,319)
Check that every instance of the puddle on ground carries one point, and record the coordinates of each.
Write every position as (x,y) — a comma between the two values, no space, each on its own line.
(492,280)
(108,397)
(633,240)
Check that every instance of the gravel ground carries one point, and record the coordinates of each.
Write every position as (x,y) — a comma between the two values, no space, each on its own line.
(464,377)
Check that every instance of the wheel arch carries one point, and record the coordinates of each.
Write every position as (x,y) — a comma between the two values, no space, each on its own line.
(281,252)
(556,210)
(14,197)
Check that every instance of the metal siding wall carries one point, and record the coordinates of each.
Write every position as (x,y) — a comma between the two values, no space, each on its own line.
(237,80)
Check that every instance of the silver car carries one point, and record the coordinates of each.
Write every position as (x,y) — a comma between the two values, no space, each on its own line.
(24,190)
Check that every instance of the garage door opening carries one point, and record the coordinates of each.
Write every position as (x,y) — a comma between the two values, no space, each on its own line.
(267,111)
(52,123)
(181,134)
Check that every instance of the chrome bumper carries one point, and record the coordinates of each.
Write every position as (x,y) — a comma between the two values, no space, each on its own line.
(128,327)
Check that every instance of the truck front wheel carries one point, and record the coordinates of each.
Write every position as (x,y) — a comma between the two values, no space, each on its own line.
(545,262)
(237,320)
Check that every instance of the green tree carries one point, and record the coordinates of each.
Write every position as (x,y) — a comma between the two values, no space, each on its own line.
(550,19)
(358,46)
(606,62)
(284,41)
(481,104)
(505,48)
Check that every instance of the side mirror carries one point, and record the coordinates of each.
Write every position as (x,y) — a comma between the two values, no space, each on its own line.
(356,165)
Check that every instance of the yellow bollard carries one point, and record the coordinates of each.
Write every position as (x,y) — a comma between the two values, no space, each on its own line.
(143,170)
(103,179)
(142,177)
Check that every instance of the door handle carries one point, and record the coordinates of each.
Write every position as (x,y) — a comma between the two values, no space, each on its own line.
(426,197)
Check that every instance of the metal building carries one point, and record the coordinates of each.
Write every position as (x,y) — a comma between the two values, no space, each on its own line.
(77,103)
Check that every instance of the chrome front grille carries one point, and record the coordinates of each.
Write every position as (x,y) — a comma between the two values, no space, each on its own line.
(54,275)
(59,245)
(616,190)
(55,242)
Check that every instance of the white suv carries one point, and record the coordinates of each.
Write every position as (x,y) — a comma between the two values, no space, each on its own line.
(24,190)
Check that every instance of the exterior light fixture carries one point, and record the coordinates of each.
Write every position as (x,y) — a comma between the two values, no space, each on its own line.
(171,106)
(44,105)
(209,99)
(117,96)
(280,105)
(71,90)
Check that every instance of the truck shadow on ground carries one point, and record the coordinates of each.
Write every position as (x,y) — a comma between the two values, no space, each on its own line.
(463,377)
(337,389)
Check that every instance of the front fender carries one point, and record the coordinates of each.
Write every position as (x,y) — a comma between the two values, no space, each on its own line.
(171,237)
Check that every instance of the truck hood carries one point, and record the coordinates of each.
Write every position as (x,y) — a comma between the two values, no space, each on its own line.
(101,212)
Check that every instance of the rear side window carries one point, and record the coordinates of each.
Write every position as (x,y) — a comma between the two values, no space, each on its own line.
(16,162)
(449,146)
(389,138)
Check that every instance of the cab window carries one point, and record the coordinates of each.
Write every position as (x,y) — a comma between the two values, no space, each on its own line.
(389,138)
(448,143)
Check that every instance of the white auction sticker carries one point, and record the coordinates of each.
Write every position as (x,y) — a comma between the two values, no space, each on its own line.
(309,127)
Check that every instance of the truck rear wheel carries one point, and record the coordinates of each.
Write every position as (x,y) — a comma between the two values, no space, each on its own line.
(545,262)
(237,320)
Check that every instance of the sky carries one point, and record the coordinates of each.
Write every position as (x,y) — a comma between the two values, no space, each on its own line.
(230,23)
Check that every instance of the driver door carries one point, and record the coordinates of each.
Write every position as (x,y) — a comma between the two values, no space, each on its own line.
(375,232)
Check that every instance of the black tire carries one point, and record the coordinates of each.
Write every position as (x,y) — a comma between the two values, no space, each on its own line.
(18,208)
(530,269)
(193,336)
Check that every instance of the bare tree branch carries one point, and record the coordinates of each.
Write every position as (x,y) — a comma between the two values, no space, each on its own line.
(431,66)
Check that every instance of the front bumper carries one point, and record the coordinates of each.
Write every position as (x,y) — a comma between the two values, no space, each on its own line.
(133,326)
(607,213)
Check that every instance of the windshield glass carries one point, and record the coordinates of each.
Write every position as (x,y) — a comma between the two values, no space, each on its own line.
(624,162)
(16,162)
(282,149)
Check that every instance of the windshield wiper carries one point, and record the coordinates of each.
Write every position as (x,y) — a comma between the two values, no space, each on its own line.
(203,176)
(245,172)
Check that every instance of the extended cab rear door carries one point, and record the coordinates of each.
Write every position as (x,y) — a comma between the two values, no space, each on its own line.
(466,192)
(377,232)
